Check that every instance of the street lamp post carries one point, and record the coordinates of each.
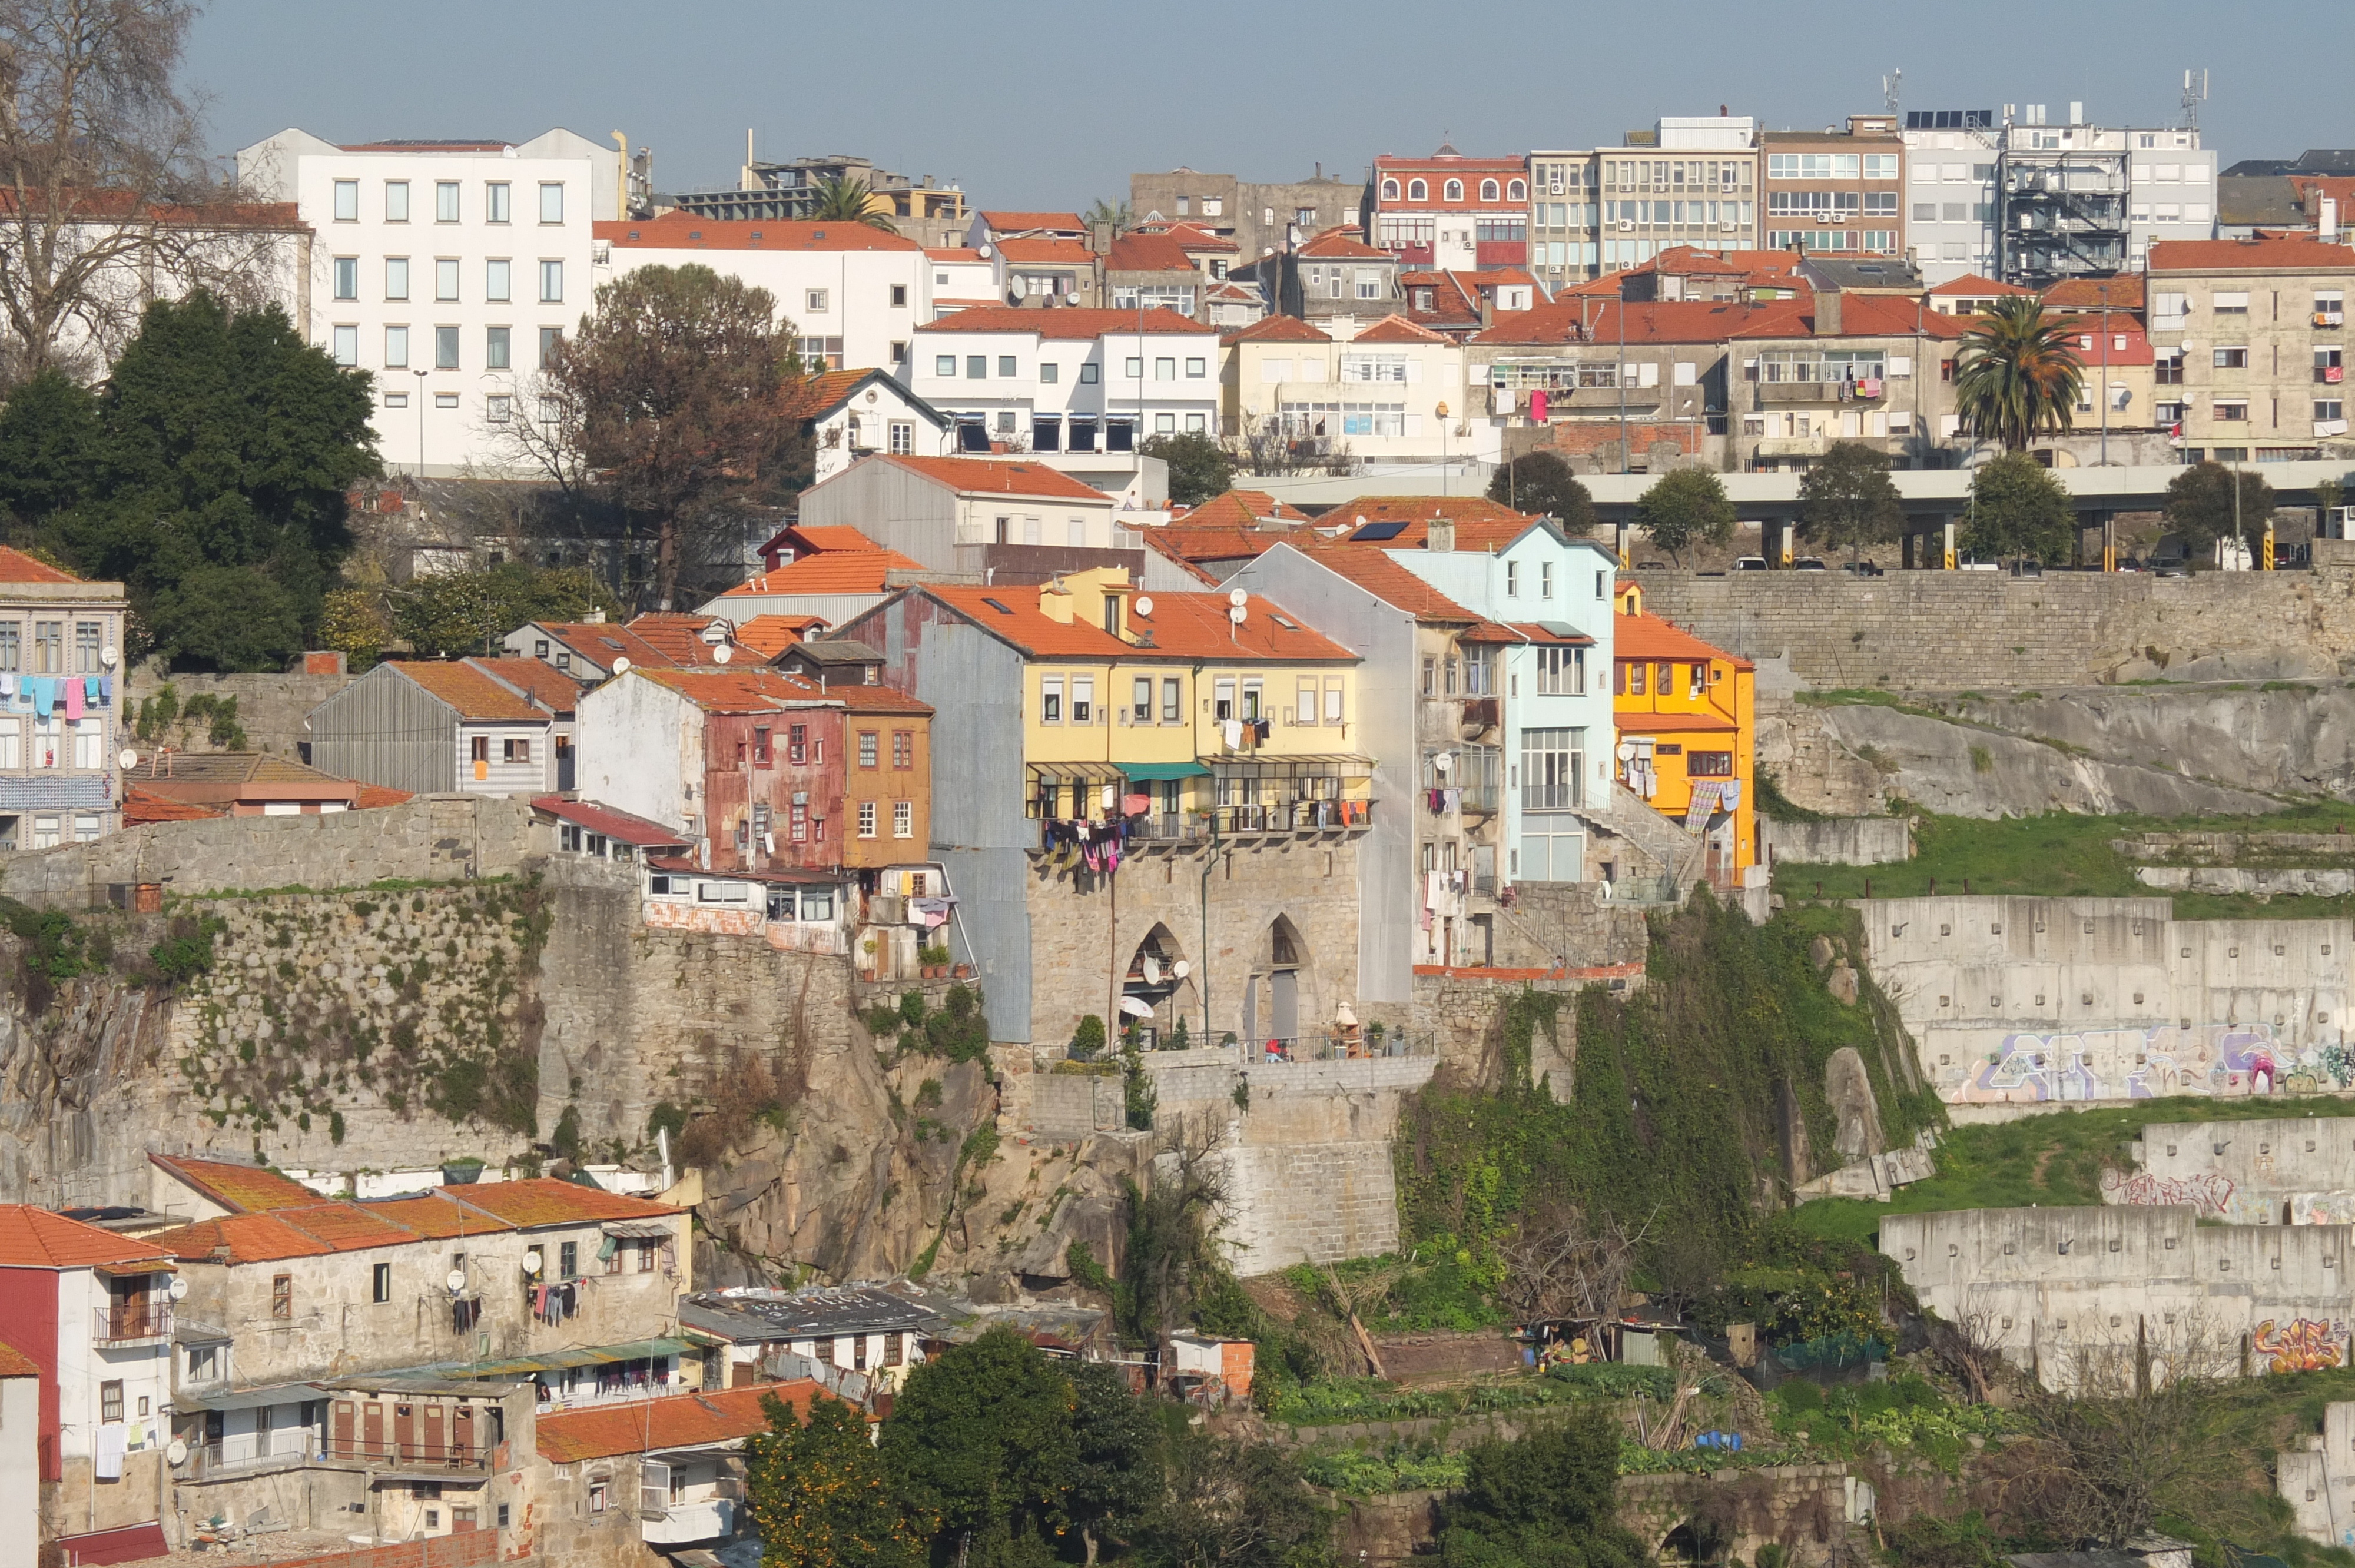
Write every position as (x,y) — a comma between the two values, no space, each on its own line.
(1441,414)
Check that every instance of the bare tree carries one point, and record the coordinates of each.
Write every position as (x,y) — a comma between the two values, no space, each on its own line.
(108,204)
(1968,1350)
(1556,1265)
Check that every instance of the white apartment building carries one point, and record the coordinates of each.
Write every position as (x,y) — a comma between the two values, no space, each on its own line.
(1078,389)
(445,270)
(1376,396)
(1950,157)
(853,292)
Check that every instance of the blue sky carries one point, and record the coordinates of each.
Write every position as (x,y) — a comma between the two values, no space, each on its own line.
(1029,105)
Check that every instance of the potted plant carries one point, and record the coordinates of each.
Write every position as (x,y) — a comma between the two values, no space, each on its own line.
(934,959)
(961,971)
(866,966)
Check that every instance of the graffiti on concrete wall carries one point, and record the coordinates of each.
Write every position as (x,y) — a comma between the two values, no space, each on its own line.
(2302,1344)
(2209,1194)
(2220,1059)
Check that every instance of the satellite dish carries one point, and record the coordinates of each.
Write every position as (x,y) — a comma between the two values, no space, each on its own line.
(126,759)
(108,657)
(178,1289)
(1152,969)
(1181,969)
(871,394)
(985,252)
(1238,597)
(176,1452)
(1444,761)
(1626,750)
(457,1281)
(531,1261)
(1070,299)
(721,654)
(1238,615)
(1145,606)
(622,666)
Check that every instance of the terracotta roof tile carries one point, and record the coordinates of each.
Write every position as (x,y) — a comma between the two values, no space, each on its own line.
(1345,243)
(1278,329)
(2123,292)
(754,690)
(677,637)
(603,642)
(1237,508)
(822,537)
(543,683)
(1397,329)
(815,396)
(673,1420)
(953,253)
(15,566)
(2237,255)
(1135,252)
(605,819)
(981,476)
(140,806)
(1009,221)
(473,695)
(834,571)
(36,1238)
(15,1363)
(241,1238)
(685,231)
(1051,252)
(770,635)
(373,797)
(1971,286)
(434,1217)
(545,1201)
(1372,569)
(1652,637)
(242,1189)
(1186,626)
(1479,522)
(1066,323)
(344,1227)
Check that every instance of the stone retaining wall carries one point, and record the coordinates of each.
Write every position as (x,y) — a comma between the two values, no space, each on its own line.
(1841,840)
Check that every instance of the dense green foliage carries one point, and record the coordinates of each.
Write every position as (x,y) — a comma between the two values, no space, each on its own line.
(207,474)
(982,1442)
(1847,500)
(1200,468)
(2209,502)
(1231,1504)
(2017,512)
(822,1494)
(459,613)
(1546,1501)
(2017,374)
(1685,509)
(1675,1121)
(1544,483)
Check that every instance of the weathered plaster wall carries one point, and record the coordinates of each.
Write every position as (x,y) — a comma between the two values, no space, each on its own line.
(1841,840)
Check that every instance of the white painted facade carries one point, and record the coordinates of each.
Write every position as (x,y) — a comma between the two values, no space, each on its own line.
(1380,399)
(438,267)
(640,750)
(20,1469)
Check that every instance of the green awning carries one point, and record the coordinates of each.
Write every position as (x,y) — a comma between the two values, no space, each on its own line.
(1143,772)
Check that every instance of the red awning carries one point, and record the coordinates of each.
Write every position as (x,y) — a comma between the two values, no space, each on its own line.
(131,1543)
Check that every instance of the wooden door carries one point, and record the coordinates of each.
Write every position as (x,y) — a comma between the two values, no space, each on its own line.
(462,1521)
(372,1429)
(462,1434)
(404,1430)
(341,1444)
(434,1450)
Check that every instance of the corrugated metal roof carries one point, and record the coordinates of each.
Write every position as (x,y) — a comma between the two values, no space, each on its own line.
(803,1314)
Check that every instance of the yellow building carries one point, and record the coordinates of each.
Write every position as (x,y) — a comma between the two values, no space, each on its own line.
(1688,722)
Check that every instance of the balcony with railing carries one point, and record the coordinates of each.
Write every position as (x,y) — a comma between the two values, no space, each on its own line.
(457,1454)
(663,1522)
(1341,1045)
(244,1453)
(139,1320)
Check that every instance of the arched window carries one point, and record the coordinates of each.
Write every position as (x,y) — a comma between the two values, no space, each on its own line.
(1453,190)
(1487,190)
(1516,190)
(1390,190)
(1417,191)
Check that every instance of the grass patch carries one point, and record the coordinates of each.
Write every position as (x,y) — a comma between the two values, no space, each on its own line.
(2051,1160)
(2061,856)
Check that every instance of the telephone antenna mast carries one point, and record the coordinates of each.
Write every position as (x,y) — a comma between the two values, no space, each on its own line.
(2195,93)
(1889,86)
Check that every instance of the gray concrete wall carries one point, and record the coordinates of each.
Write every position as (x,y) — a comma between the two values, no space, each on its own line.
(1841,840)
(2295,1170)
(273,710)
(2031,1001)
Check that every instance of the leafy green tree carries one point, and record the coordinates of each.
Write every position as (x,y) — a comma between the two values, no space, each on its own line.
(980,1443)
(1847,501)
(2209,502)
(1199,467)
(1545,482)
(470,612)
(1231,1504)
(1116,1478)
(1685,508)
(49,441)
(352,622)
(231,618)
(841,199)
(2017,372)
(822,1494)
(2017,510)
(1545,1501)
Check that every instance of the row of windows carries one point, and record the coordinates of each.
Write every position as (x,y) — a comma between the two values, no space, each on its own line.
(498,349)
(1452,190)
(53,743)
(1560,672)
(870,749)
(498,279)
(1873,204)
(1009,367)
(2168,307)
(48,648)
(1831,165)
(48,832)
(1675,175)
(498,201)
(903,818)
(2233,410)
(1631,676)
(1655,214)
(1242,699)
(1882,242)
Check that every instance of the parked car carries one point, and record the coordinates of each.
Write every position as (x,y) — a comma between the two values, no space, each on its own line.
(1651,566)
(1864,569)
(1750,563)
(1809,564)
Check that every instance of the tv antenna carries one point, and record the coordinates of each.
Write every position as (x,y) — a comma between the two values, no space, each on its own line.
(1889,86)
(2195,93)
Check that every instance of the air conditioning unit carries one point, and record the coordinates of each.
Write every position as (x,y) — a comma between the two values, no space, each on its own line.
(1554,189)
(1626,226)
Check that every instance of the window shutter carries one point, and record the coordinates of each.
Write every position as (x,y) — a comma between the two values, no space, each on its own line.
(654,1489)
(1687,373)
(1648,374)
(1900,365)
(1272,370)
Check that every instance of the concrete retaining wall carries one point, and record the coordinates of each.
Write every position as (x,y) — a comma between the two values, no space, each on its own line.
(1841,840)
(273,710)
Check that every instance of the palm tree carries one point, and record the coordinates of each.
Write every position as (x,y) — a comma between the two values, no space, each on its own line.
(1105,212)
(2019,374)
(841,199)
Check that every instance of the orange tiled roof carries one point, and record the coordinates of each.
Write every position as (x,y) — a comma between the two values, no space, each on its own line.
(1651,637)
(603,642)
(1054,252)
(1479,522)
(685,231)
(1372,569)
(473,695)
(435,1216)
(813,396)
(1184,626)
(15,1363)
(834,571)
(140,807)
(1071,321)
(15,566)
(241,1238)
(1971,286)
(831,536)
(2123,292)
(2237,255)
(543,683)
(770,635)
(544,1201)
(953,253)
(374,796)
(673,1421)
(1237,509)
(36,1238)
(1277,329)
(1344,243)
(980,476)
(1008,221)
(242,1189)
(679,637)
(1136,253)
(1397,329)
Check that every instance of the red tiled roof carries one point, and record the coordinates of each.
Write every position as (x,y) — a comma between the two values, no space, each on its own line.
(1071,322)
(673,1421)
(1346,243)
(822,537)
(1277,329)
(1053,252)
(241,1238)
(2123,292)
(980,476)
(1194,237)
(1137,252)
(618,825)
(1371,569)
(435,1215)
(858,698)
(1479,522)
(242,1189)
(770,635)
(373,797)
(2262,254)
(953,253)
(543,683)
(344,1227)
(15,1363)
(834,571)
(1238,509)
(15,566)
(815,396)
(1397,329)
(677,637)
(140,808)
(1184,625)
(1010,222)
(36,1238)
(544,1201)
(473,695)
(1651,637)
(685,231)
(1180,542)
(754,690)
(1971,286)
(603,642)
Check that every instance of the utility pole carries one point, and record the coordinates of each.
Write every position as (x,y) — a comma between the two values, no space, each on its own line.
(1623,373)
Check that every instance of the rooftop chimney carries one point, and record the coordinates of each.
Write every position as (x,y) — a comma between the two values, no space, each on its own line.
(1828,312)
(2326,224)
(1439,534)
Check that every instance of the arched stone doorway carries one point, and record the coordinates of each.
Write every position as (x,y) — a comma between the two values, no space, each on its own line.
(1155,994)
(1280,996)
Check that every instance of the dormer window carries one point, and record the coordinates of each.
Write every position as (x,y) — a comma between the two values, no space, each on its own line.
(1417,191)
(1487,190)
(1390,190)
(1451,191)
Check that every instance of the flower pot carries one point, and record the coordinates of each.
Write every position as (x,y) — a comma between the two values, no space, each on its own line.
(867,975)
(961,971)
